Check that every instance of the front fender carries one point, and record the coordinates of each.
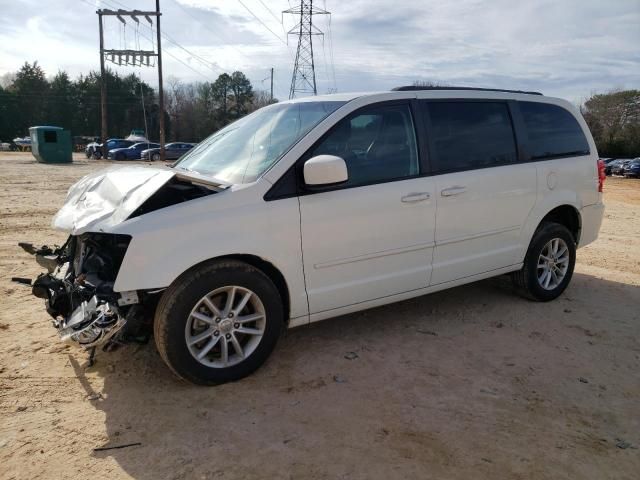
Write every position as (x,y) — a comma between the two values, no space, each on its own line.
(167,242)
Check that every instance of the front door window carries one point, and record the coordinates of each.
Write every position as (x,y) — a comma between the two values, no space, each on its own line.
(378,145)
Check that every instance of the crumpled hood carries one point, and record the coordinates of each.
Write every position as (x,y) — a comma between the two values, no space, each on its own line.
(107,197)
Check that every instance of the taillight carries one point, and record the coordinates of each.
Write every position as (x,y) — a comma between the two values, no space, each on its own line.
(601,175)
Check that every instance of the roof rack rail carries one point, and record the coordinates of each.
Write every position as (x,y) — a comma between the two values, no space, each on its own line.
(413,87)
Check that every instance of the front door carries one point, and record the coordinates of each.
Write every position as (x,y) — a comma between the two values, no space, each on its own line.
(374,236)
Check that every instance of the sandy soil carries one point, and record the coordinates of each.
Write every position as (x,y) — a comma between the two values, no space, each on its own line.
(474,382)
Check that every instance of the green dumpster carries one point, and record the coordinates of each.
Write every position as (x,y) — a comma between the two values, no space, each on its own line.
(51,144)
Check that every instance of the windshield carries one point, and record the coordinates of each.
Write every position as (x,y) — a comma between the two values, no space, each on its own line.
(245,149)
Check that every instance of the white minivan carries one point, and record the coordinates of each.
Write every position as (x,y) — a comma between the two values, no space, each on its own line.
(318,207)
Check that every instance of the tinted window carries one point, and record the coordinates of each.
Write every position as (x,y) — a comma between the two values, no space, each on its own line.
(50,136)
(377,144)
(553,131)
(467,135)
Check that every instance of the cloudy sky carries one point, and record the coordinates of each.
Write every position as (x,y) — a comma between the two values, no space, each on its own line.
(566,48)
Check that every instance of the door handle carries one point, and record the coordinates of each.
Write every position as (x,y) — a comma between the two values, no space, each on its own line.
(451,191)
(415,197)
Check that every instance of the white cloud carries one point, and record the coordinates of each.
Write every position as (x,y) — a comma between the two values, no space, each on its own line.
(566,48)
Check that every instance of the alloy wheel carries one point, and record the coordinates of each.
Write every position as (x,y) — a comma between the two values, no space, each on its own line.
(225,326)
(553,264)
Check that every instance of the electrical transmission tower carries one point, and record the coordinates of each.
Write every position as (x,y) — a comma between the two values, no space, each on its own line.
(303,80)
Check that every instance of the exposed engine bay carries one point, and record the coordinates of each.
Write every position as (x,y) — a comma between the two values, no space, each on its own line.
(78,291)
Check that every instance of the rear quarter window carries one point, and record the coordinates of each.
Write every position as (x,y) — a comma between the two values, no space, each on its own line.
(552,131)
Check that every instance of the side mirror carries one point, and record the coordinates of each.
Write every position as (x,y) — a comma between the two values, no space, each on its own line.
(324,171)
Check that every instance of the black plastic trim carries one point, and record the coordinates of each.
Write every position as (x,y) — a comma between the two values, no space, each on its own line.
(522,139)
(421,140)
(285,187)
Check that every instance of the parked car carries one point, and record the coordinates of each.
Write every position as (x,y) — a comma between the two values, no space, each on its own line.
(100,150)
(91,148)
(633,168)
(620,165)
(610,164)
(172,151)
(131,153)
(319,207)
(22,144)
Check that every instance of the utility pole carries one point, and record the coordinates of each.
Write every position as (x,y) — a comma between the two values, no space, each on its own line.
(160,88)
(303,80)
(271,98)
(136,58)
(103,87)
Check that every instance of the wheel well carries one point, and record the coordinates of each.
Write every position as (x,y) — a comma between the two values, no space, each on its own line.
(270,271)
(568,216)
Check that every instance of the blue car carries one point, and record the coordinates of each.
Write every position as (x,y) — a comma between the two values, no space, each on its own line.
(633,168)
(131,153)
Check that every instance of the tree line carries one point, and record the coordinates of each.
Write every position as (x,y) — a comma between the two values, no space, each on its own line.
(195,110)
(192,110)
(614,121)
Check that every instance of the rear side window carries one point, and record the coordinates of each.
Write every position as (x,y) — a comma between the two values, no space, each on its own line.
(469,135)
(553,131)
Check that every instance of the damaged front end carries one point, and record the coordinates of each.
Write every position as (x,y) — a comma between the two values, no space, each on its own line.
(78,290)
(78,286)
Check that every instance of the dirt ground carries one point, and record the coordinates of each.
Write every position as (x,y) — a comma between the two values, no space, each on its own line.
(470,383)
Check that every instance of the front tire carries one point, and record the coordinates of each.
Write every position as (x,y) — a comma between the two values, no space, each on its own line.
(155,157)
(548,265)
(218,322)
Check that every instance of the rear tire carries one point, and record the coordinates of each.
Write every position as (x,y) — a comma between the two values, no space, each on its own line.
(541,279)
(196,306)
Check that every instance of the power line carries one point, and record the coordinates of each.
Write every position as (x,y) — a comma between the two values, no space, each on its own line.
(333,65)
(259,20)
(208,64)
(279,20)
(215,34)
(203,61)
